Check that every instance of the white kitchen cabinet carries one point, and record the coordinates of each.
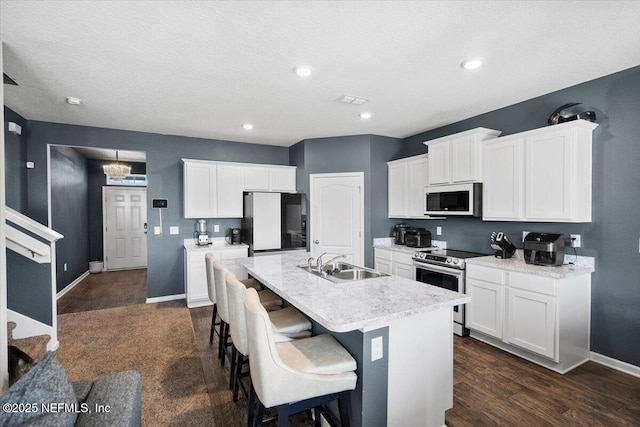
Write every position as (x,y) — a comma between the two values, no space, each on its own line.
(195,273)
(200,190)
(407,179)
(397,263)
(229,186)
(486,312)
(281,179)
(543,319)
(457,158)
(540,175)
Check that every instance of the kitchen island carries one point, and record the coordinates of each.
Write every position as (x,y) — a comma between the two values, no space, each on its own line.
(399,331)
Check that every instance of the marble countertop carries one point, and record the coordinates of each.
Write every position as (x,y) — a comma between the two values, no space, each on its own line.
(581,265)
(359,305)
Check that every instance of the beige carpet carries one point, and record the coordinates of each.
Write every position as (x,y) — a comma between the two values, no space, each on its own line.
(155,339)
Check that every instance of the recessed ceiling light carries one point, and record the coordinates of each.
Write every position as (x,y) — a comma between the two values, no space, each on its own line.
(247,126)
(72,100)
(302,71)
(471,64)
(365,115)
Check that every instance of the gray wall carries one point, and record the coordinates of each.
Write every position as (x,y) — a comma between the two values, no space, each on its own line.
(360,153)
(164,175)
(15,147)
(612,237)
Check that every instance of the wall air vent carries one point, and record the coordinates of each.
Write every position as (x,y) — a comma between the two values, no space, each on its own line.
(8,80)
(347,99)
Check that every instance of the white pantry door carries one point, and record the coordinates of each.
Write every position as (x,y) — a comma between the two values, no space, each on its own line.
(337,215)
(125,227)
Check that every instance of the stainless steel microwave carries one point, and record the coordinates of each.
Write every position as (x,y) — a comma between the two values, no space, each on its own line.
(455,199)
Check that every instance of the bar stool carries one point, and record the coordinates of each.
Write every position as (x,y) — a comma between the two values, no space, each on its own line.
(292,322)
(297,375)
(270,300)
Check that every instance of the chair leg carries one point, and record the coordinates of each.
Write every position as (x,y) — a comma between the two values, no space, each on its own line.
(232,368)
(317,417)
(224,340)
(221,339)
(251,406)
(259,413)
(213,322)
(238,375)
(283,416)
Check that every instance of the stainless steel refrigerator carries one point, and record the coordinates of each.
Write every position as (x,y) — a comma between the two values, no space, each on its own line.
(274,222)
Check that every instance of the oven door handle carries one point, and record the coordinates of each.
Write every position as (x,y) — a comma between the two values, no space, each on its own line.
(438,269)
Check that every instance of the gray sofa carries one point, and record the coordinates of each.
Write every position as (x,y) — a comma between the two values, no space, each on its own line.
(45,396)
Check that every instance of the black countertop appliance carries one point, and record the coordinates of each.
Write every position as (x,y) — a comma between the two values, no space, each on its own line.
(399,232)
(544,249)
(418,238)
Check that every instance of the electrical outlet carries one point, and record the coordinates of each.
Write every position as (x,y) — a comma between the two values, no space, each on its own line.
(174,230)
(439,231)
(377,348)
(216,228)
(157,230)
(576,241)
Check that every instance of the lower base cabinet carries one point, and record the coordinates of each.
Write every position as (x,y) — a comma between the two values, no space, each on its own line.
(195,271)
(393,262)
(542,319)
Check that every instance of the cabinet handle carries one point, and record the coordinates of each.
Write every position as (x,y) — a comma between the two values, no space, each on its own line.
(317,242)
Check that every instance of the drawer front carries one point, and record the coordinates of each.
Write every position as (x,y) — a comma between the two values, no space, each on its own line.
(383,254)
(233,253)
(532,283)
(198,256)
(403,258)
(487,274)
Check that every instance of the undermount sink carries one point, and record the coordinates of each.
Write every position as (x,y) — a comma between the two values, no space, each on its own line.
(340,272)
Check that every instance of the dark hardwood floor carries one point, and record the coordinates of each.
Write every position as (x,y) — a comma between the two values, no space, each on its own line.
(106,290)
(491,387)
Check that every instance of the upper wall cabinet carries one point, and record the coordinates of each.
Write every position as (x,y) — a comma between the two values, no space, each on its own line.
(457,158)
(280,179)
(407,179)
(214,189)
(541,175)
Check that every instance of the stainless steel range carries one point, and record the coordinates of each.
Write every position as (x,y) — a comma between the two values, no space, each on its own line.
(445,269)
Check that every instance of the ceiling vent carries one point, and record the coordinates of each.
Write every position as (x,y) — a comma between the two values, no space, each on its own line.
(8,80)
(352,100)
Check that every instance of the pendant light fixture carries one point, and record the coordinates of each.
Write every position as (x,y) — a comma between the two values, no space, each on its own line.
(117,170)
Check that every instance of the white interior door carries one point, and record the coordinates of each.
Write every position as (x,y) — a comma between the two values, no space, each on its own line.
(124,227)
(337,215)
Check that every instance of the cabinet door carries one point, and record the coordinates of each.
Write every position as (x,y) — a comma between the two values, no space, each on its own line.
(397,189)
(196,285)
(503,185)
(465,160)
(282,179)
(485,311)
(256,178)
(383,265)
(439,162)
(404,270)
(418,178)
(229,191)
(549,170)
(531,322)
(200,190)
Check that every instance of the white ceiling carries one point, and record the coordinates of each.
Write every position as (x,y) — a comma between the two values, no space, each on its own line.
(202,68)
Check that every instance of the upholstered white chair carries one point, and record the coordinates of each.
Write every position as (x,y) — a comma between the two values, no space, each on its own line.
(287,323)
(296,375)
(211,290)
(268,299)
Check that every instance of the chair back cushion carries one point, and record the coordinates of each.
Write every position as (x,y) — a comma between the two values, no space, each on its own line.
(219,271)
(211,284)
(237,318)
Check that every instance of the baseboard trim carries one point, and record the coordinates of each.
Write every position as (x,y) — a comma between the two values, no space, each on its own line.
(27,327)
(72,285)
(616,364)
(166,298)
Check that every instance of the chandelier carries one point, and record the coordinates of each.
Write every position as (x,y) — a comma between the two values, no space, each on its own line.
(117,170)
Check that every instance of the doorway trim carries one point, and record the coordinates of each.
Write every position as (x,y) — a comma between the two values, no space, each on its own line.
(360,176)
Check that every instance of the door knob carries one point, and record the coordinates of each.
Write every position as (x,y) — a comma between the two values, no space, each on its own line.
(317,242)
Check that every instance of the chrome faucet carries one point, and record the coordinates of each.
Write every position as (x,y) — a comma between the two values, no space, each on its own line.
(320,263)
(310,261)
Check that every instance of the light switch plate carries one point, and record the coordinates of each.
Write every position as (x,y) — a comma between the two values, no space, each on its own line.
(377,348)
(174,230)
(439,231)
(156,230)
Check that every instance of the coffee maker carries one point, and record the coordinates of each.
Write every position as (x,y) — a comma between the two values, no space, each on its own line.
(201,235)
